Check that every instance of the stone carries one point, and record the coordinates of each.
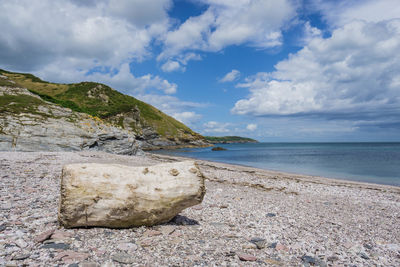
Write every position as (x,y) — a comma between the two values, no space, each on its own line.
(167,230)
(21,243)
(72,256)
(127,246)
(3,227)
(123,258)
(150,233)
(271,214)
(218,148)
(56,246)
(118,196)
(59,235)
(44,236)
(183,220)
(21,256)
(273,245)
(259,242)
(247,257)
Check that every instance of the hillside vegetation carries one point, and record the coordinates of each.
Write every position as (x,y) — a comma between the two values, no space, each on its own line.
(103,102)
(229,139)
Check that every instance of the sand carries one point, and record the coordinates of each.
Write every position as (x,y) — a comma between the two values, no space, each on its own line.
(249,217)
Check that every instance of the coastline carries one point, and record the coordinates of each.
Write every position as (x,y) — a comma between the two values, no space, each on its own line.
(298,220)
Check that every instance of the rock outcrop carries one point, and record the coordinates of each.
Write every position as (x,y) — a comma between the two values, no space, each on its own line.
(27,123)
(120,196)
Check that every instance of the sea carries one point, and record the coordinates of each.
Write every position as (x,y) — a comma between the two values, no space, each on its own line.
(365,162)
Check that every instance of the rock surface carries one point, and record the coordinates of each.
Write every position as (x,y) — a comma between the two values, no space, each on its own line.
(48,127)
(119,196)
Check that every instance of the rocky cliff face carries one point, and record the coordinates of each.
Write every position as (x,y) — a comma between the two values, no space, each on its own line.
(98,115)
(27,123)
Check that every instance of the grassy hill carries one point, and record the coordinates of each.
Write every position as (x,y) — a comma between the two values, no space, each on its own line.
(103,102)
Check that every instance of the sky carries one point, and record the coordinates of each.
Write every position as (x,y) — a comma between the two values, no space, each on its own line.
(273,70)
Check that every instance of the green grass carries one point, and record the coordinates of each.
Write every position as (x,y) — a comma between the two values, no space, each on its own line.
(76,97)
(18,104)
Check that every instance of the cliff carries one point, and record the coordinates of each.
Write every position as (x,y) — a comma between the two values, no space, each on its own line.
(38,115)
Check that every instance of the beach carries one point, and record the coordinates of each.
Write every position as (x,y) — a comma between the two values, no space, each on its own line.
(249,217)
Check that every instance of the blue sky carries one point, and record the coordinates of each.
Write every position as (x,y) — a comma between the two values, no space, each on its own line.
(288,70)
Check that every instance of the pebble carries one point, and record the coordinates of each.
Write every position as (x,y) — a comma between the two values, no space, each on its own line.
(56,246)
(21,256)
(150,233)
(247,257)
(123,258)
(207,236)
(44,236)
(259,242)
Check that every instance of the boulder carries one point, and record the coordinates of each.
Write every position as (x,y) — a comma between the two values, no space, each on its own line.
(218,148)
(118,196)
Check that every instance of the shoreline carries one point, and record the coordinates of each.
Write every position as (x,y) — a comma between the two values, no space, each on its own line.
(286,173)
(269,218)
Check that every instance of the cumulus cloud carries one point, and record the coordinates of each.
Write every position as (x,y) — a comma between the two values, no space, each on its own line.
(84,33)
(187,117)
(251,127)
(171,65)
(342,12)
(350,74)
(256,23)
(216,127)
(230,76)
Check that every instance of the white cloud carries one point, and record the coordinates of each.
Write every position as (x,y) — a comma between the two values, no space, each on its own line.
(171,65)
(216,127)
(255,23)
(251,127)
(342,12)
(36,33)
(187,117)
(355,71)
(230,76)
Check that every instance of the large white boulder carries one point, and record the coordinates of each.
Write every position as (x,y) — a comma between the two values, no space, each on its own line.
(118,196)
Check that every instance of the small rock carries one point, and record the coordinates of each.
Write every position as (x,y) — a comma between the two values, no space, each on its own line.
(198,207)
(167,230)
(89,264)
(56,246)
(19,257)
(123,258)
(247,257)
(271,214)
(3,227)
(259,242)
(183,220)
(230,254)
(333,258)
(150,233)
(72,256)
(272,245)
(364,256)
(21,243)
(272,262)
(308,259)
(58,234)
(127,246)
(281,247)
(146,242)
(249,246)
(367,246)
(44,236)
(223,207)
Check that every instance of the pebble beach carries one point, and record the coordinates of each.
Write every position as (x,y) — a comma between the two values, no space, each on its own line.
(249,217)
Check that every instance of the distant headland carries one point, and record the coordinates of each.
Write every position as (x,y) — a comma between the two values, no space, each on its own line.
(229,139)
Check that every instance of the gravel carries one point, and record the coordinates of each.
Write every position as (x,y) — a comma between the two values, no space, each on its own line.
(296,220)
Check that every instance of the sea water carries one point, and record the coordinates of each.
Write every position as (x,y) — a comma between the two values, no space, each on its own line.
(366,162)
